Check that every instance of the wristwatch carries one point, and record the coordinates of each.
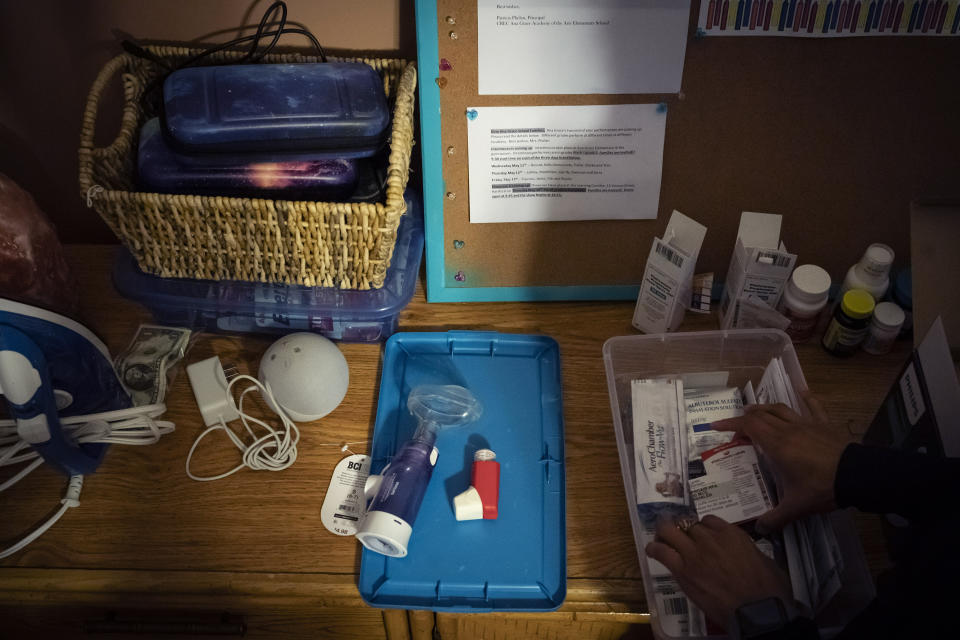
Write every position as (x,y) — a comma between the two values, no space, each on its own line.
(769,618)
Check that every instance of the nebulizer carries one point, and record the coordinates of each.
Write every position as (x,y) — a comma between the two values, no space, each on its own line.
(398,490)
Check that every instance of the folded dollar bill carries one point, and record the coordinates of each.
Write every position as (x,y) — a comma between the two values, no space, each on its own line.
(143,367)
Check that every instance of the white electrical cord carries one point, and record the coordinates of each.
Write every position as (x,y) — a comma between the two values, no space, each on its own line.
(132,426)
(71,498)
(274,451)
(133,421)
(21,474)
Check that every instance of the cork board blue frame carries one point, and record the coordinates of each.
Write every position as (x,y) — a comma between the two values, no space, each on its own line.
(443,284)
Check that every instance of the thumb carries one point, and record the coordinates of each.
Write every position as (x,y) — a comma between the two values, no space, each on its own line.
(778,517)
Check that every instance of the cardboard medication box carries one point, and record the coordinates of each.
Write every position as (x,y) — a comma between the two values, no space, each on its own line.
(667,283)
(760,266)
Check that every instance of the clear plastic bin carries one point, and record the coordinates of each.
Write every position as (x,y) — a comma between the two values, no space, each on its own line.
(256,307)
(744,354)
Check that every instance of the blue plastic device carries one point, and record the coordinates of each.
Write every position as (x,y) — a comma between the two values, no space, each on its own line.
(518,561)
(272,107)
(40,352)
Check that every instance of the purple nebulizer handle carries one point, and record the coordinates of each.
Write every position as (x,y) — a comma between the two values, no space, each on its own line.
(399,489)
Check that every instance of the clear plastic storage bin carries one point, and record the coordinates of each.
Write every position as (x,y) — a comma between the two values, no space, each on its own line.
(745,355)
(256,307)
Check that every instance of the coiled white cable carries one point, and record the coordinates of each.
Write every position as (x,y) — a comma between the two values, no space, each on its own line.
(274,451)
(132,426)
(133,421)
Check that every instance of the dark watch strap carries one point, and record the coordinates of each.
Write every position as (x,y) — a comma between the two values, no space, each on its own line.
(796,629)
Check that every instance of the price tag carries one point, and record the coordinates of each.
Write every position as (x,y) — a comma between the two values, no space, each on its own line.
(344,504)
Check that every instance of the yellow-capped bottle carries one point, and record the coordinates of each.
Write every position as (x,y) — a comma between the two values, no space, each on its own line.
(850,323)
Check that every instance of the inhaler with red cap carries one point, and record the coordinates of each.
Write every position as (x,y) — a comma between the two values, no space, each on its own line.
(480,500)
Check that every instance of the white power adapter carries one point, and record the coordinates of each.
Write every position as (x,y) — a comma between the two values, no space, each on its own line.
(209,383)
(271,450)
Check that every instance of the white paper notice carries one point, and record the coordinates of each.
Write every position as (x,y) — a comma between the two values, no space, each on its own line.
(530,164)
(581,46)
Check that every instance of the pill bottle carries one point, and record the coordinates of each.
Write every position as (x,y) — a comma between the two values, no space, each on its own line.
(850,323)
(884,328)
(872,273)
(901,293)
(803,299)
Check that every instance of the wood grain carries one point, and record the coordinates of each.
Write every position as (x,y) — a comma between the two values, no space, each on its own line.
(256,623)
(396,623)
(422,624)
(144,528)
(556,626)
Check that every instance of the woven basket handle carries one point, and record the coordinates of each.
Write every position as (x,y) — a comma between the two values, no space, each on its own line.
(128,122)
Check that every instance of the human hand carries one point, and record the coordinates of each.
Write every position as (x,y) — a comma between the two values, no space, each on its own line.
(718,566)
(804,453)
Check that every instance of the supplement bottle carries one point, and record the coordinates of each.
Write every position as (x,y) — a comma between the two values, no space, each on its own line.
(872,273)
(850,323)
(884,328)
(803,299)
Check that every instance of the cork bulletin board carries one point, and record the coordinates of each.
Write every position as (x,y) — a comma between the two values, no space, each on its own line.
(838,136)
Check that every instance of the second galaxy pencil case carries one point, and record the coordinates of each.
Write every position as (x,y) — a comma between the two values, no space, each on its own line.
(164,170)
(327,106)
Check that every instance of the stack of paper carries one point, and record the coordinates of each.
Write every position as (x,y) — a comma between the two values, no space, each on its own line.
(660,461)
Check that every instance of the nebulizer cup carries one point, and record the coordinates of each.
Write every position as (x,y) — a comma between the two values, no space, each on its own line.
(399,489)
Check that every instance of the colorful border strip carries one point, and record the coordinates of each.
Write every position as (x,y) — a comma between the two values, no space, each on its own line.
(829,18)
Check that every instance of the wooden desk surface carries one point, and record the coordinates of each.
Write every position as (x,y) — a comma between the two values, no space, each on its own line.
(145,528)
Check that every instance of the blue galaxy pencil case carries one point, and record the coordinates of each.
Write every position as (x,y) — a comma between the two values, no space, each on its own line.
(327,106)
(164,170)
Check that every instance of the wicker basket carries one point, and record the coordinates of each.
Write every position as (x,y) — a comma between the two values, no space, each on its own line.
(346,245)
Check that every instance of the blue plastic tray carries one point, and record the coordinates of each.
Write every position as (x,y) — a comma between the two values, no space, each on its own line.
(519,561)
